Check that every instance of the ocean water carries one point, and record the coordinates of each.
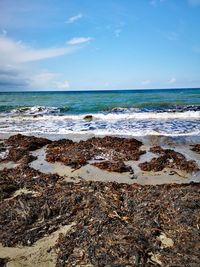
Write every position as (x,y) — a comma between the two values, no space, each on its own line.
(125,112)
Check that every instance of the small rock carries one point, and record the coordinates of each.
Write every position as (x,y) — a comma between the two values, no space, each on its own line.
(88,118)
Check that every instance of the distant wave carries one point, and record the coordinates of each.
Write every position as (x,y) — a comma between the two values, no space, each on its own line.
(112,113)
(35,110)
(162,107)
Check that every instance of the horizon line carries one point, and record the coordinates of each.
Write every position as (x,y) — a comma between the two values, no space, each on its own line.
(98,90)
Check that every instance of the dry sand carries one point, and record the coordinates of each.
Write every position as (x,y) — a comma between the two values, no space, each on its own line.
(38,255)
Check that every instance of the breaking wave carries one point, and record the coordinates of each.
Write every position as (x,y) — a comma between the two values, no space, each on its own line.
(148,107)
(50,115)
(35,110)
(118,113)
(118,121)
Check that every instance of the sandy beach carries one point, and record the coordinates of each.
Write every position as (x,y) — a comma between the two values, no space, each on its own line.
(38,172)
(99,133)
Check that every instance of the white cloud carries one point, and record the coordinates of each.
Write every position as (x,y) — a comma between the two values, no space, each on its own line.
(74,18)
(146,82)
(194,2)
(16,52)
(62,85)
(42,80)
(172,80)
(48,80)
(79,40)
(17,71)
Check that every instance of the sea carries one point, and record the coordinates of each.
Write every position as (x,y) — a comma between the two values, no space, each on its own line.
(170,112)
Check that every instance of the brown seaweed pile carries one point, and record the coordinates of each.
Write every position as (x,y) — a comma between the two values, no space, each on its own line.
(78,154)
(3,262)
(170,159)
(135,226)
(20,145)
(113,166)
(115,224)
(196,148)
(12,180)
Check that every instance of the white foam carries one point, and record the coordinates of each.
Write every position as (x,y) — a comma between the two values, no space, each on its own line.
(149,115)
(106,117)
(146,123)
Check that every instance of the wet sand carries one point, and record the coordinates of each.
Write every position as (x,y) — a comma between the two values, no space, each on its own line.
(91,173)
(180,144)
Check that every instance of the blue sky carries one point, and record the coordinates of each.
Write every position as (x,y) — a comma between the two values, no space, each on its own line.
(99,44)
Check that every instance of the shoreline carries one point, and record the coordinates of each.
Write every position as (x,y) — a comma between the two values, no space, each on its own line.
(180,144)
(83,136)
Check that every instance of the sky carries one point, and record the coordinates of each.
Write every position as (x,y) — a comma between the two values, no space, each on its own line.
(99,44)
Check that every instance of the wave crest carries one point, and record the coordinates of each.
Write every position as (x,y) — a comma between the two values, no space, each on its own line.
(35,110)
(149,107)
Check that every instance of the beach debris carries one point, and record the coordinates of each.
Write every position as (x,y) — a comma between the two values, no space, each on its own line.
(155,258)
(114,224)
(24,177)
(77,154)
(113,166)
(69,153)
(168,159)
(196,148)
(29,143)
(2,146)
(166,241)
(3,262)
(3,151)
(130,227)
(19,146)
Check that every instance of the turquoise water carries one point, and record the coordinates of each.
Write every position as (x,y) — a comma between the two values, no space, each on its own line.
(130,112)
(97,101)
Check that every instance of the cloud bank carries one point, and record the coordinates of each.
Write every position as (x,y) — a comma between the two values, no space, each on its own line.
(16,69)
(16,52)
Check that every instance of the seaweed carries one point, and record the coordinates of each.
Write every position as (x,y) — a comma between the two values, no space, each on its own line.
(77,154)
(114,224)
(168,159)
(19,147)
(196,148)
(113,166)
